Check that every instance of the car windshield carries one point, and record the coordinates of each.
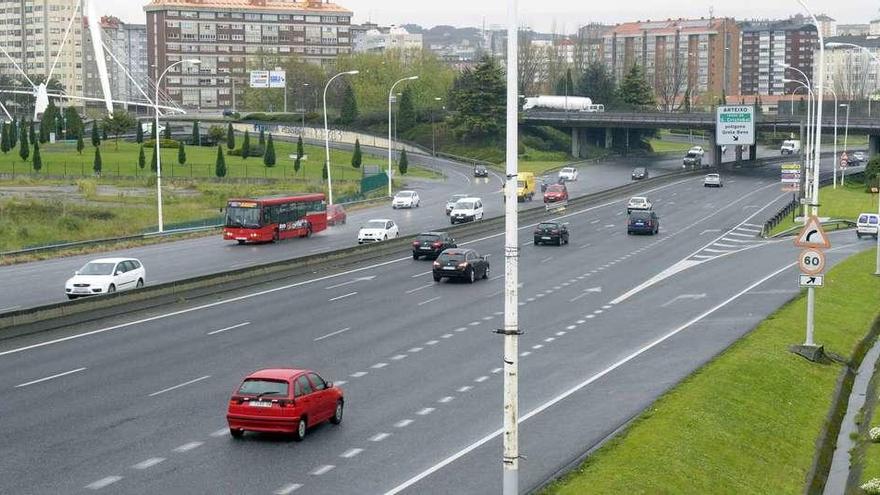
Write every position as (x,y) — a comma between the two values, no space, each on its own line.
(567,170)
(263,387)
(638,200)
(375,224)
(454,257)
(243,217)
(713,176)
(692,154)
(640,215)
(428,238)
(639,171)
(556,188)
(455,198)
(464,205)
(97,269)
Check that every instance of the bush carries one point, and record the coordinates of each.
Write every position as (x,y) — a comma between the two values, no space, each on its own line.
(69,223)
(163,143)
(254,151)
(872,487)
(293,118)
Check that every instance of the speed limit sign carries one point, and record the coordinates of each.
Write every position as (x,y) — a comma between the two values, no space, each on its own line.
(812,261)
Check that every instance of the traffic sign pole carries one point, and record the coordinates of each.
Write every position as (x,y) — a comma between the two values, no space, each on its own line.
(812,262)
(811,304)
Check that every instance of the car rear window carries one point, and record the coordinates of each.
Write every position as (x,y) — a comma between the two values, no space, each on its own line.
(455,257)
(640,215)
(548,226)
(465,205)
(556,188)
(428,238)
(264,387)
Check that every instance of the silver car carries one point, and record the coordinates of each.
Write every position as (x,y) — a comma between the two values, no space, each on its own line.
(451,203)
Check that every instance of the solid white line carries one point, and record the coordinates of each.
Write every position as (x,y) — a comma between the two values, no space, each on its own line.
(233,327)
(710,250)
(497,370)
(524,354)
(148,463)
(739,234)
(50,377)
(415,349)
(178,386)
(10,308)
(101,483)
(552,402)
(188,446)
(739,241)
(333,333)
(348,454)
(287,489)
(729,246)
(323,469)
(429,301)
(342,297)
(380,437)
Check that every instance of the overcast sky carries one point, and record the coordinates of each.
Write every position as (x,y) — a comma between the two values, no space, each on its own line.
(565,14)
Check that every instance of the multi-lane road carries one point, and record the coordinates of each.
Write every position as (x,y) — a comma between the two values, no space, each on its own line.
(136,404)
(42,282)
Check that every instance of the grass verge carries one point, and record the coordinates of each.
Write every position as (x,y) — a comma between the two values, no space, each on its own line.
(748,421)
(845,202)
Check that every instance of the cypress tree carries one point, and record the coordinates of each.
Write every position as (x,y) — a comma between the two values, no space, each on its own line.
(98,163)
(220,165)
(154,164)
(24,150)
(140,133)
(13,133)
(142,158)
(349,111)
(181,154)
(44,129)
(96,139)
(103,132)
(80,145)
(32,135)
(4,138)
(167,130)
(230,137)
(269,156)
(262,140)
(356,157)
(403,164)
(300,150)
(246,145)
(196,135)
(38,160)
(325,171)
(296,165)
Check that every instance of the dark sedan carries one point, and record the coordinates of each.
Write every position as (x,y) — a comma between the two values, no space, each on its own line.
(639,173)
(643,222)
(551,233)
(465,264)
(431,244)
(481,171)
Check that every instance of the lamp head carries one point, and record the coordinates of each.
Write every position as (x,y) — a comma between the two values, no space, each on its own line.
(353,72)
(413,78)
(193,61)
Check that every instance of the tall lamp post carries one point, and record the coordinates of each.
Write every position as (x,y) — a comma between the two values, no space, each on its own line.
(808,141)
(156,139)
(834,153)
(390,96)
(327,134)
(302,102)
(845,142)
(433,132)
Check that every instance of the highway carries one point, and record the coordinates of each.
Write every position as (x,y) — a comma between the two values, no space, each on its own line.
(136,404)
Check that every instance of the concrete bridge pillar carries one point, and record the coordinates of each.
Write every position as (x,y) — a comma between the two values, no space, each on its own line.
(575,142)
(715,150)
(609,140)
(753,152)
(873,146)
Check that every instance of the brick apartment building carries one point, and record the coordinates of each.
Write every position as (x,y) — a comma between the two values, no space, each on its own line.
(768,44)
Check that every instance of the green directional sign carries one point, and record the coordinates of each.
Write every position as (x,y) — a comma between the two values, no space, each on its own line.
(735,125)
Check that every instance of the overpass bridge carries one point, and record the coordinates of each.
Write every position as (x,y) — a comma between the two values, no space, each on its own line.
(596,127)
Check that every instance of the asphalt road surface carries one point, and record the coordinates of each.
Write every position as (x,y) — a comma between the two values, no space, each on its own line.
(136,404)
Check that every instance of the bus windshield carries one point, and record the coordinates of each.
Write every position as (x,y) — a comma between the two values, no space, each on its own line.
(243,217)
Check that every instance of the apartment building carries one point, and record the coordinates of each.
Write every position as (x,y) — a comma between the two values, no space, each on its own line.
(128,45)
(850,71)
(381,39)
(702,53)
(227,36)
(32,32)
(766,45)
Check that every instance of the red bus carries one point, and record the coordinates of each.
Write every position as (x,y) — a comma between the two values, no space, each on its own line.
(274,218)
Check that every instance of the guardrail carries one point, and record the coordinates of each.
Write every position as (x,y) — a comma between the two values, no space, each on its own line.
(48,317)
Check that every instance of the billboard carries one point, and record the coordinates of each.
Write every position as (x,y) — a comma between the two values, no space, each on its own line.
(735,125)
(259,79)
(277,79)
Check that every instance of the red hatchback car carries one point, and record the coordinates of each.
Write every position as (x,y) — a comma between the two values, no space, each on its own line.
(336,215)
(283,401)
(556,192)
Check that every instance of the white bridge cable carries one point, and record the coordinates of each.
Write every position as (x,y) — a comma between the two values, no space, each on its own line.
(109,51)
(17,67)
(63,42)
(86,98)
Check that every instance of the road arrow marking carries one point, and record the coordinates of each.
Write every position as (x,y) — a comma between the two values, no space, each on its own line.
(693,297)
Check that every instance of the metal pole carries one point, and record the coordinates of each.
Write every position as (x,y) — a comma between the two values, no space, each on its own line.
(834,153)
(845,146)
(877,269)
(285,95)
(390,96)
(811,305)
(158,156)
(233,95)
(510,459)
(327,136)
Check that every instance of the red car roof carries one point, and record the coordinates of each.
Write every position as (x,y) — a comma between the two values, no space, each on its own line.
(276,373)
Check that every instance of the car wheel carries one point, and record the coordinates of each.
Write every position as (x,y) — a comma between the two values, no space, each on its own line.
(486,273)
(415,256)
(71,296)
(437,278)
(559,241)
(452,222)
(111,289)
(140,283)
(629,232)
(858,235)
(236,433)
(337,413)
(537,241)
(300,432)
(240,242)
(471,276)
(385,238)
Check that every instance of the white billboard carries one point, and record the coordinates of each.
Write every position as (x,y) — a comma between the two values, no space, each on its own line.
(277,79)
(259,79)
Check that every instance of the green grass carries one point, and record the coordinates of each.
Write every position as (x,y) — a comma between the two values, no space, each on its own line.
(661,146)
(748,421)
(845,203)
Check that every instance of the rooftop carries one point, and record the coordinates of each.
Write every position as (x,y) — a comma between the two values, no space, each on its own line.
(262,5)
(670,26)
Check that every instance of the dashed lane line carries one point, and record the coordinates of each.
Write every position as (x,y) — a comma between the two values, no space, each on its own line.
(103,482)
(41,380)
(169,389)
(148,463)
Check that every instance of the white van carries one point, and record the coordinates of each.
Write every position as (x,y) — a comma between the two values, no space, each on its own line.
(790,147)
(466,210)
(867,224)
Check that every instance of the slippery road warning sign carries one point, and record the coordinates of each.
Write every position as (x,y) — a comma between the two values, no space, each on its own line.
(813,235)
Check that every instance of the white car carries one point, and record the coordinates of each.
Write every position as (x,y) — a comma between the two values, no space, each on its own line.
(867,224)
(106,276)
(378,229)
(406,199)
(639,203)
(568,174)
(466,210)
(450,204)
(698,150)
(712,180)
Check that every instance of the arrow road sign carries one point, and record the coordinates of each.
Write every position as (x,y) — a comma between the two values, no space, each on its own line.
(812,280)
(693,297)
(813,235)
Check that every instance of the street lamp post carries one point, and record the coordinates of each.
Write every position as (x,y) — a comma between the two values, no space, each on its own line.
(156,139)
(834,153)
(327,134)
(845,143)
(808,137)
(390,96)
(302,102)
(433,132)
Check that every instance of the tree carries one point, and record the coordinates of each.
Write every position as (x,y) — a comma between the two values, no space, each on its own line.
(154,162)
(4,138)
(262,139)
(872,173)
(73,123)
(686,104)
(119,122)
(802,106)
(531,60)
(565,85)
(325,171)
(296,165)
(80,145)
(356,157)
(634,90)
(98,163)
(13,133)
(24,150)
(181,153)
(47,124)
(478,101)
(246,145)
(220,164)
(403,163)
(216,133)
(140,134)
(672,82)
(168,130)
(349,109)
(32,136)
(597,84)
(104,132)
(269,155)
(230,137)
(38,160)
(142,158)
(300,150)
(154,133)
(196,134)
(96,138)
(406,112)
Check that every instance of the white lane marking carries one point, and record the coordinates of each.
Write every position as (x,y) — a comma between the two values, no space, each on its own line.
(417,275)
(497,370)
(738,241)
(547,259)
(487,318)
(709,231)
(693,297)
(752,224)
(619,213)
(609,226)
(379,437)
(464,389)
(432,342)
(287,489)
(426,411)
(10,308)
(595,221)
(446,336)
(590,317)
(416,349)
(332,334)
(233,327)
(342,297)
(718,244)
(584,246)
(188,446)
(340,382)
(446,399)
(148,463)
(571,327)
(524,354)
(537,346)
(348,454)
(607,306)
(358,374)
(419,288)
(429,300)
(179,386)
(403,423)
(379,366)
(220,433)
(474,323)
(496,277)
(41,380)
(549,339)
(573,390)
(581,322)
(398,357)
(581,296)
(481,379)
(745,229)
(498,313)
(560,333)
(307,282)
(710,250)
(598,312)
(703,256)
(739,234)
(101,483)
(326,468)
(461,329)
